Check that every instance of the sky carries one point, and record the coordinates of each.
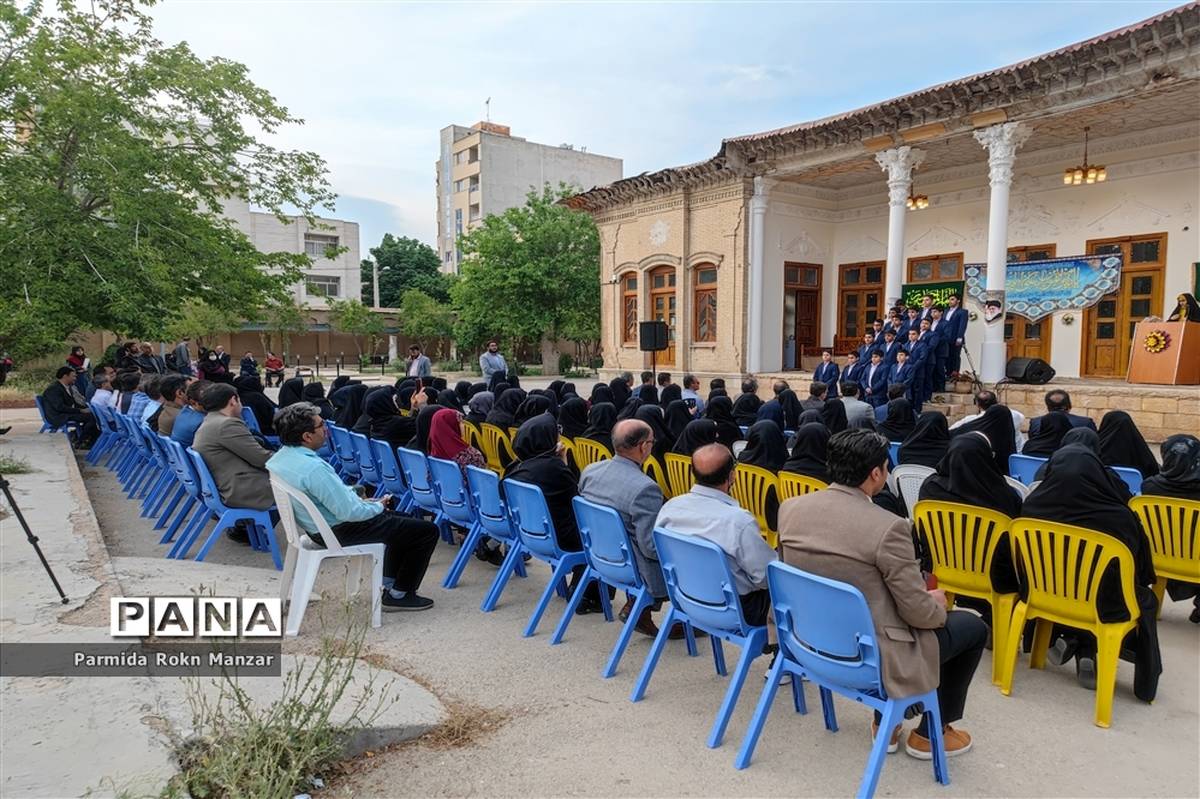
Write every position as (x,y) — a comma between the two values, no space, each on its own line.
(655,84)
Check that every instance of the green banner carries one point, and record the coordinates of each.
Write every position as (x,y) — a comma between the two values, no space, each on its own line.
(911,293)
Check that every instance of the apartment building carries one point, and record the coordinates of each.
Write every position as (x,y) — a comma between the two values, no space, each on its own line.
(484,169)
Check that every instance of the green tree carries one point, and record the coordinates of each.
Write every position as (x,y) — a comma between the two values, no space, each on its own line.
(530,272)
(425,319)
(404,264)
(200,321)
(118,155)
(281,320)
(359,321)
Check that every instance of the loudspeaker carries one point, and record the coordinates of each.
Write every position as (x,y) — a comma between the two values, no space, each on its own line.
(652,336)
(1029,370)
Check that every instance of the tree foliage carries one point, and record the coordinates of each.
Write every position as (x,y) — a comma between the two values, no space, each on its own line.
(425,319)
(530,272)
(357,320)
(200,321)
(281,320)
(404,264)
(117,156)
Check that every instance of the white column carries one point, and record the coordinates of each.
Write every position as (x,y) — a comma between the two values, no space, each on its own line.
(758,218)
(393,351)
(899,163)
(1001,142)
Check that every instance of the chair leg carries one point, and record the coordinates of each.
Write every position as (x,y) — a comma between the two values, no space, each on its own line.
(660,641)
(559,574)
(572,604)
(465,552)
(1002,610)
(689,638)
(376,590)
(640,603)
(1108,652)
(1041,643)
(302,585)
(718,656)
(268,532)
(289,572)
(192,533)
(751,648)
(605,602)
(1160,588)
(511,561)
(227,519)
(937,740)
(892,715)
(759,719)
(184,513)
(165,518)
(1012,642)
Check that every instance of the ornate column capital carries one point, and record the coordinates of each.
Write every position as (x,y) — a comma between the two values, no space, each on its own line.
(899,163)
(1001,141)
(762,189)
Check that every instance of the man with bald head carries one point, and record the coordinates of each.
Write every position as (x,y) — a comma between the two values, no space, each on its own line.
(707,511)
(621,484)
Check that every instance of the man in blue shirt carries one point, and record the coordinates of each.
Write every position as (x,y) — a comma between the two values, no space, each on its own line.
(408,542)
(190,418)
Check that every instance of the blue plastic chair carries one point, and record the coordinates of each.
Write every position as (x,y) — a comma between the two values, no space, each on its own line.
(168,518)
(108,435)
(492,513)
(458,508)
(368,471)
(391,476)
(610,561)
(416,474)
(704,595)
(70,428)
(1024,467)
(226,517)
(344,448)
(894,452)
(165,479)
(195,502)
(1132,478)
(531,519)
(826,636)
(251,420)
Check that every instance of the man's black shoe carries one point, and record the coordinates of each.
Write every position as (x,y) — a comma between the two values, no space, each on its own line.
(239,534)
(410,601)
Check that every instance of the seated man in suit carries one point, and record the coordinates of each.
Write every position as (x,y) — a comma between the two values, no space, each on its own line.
(894,391)
(856,410)
(62,404)
(875,380)
(816,397)
(901,373)
(841,535)
(828,374)
(986,399)
(1059,400)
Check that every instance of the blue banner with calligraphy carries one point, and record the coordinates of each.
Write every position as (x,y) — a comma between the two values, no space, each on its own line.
(1035,289)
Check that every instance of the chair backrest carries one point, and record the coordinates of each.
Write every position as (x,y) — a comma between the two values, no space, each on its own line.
(531,518)
(344,448)
(606,542)
(894,452)
(1034,485)
(416,474)
(1132,478)
(368,470)
(391,477)
(285,495)
(680,475)
(962,541)
(826,627)
(1024,467)
(37,399)
(208,487)
(490,507)
(752,488)
(655,470)
(474,437)
(451,490)
(796,485)
(738,446)
(492,436)
(588,452)
(699,581)
(251,421)
(909,478)
(1063,564)
(186,470)
(1173,527)
(1018,486)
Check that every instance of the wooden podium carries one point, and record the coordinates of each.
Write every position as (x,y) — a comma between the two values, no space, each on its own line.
(1177,365)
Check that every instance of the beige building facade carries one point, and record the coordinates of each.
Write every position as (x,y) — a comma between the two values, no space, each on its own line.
(794,240)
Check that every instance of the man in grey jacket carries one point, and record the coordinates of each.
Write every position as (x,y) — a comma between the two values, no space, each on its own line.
(183,358)
(857,411)
(418,363)
(492,362)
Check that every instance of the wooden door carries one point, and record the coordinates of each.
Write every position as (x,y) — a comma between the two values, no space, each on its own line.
(663,309)
(801,311)
(808,331)
(1022,338)
(1108,325)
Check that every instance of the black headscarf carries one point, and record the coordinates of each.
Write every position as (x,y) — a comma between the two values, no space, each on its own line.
(765,446)
(1083,436)
(810,453)
(424,421)
(648,395)
(537,437)
(670,394)
(900,420)
(438,384)
(568,390)
(620,391)
(348,401)
(810,416)
(550,397)
(833,413)
(478,407)
(1179,476)
(1049,435)
(720,410)
(250,392)
(292,391)
(449,399)
(1186,306)
(663,441)
(338,382)
(601,393)
(928,441)
(476,388)
(557,387)
(495,381)
(315,393)
(717,392)
(536,446)
(503,412)
(498,387)
(745,409)
(1122,444)
(382,420)
(792,409)
(404,393)
(997,424)
(463,389)
(773,410)
(601,419)
(573,417)
(629,408)
(697,433)
(534,405)
(676,417)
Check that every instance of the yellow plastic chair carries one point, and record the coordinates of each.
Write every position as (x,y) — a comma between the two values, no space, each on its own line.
(962,541)
(473,435)
(680,475)
(588,452)
(512,433)
(1173,527)
(752,488)
(1062,565)
(495,441)
(569,446)
(797,485)
(652,468)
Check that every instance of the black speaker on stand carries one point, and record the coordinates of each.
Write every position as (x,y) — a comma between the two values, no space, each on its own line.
(652,338)
(1029,370)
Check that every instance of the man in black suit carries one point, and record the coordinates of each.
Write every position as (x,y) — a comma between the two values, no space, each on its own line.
(1059,400)
(62,405)
(874,380)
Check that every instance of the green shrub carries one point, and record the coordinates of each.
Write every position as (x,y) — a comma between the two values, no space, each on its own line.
(565,362)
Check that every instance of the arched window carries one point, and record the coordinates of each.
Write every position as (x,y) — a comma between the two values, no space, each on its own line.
(629,307)
(705,303)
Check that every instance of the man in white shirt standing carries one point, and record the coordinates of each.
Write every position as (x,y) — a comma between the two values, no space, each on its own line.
(492,362)
(985,400)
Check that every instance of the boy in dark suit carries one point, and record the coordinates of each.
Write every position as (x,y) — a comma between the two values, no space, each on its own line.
(875,380)
(828,373)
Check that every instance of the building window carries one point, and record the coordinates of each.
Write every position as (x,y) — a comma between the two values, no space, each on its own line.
(629,308)
(458,221)
(860,302)
(475,216)
(705,303)
(325,285)
(935,268)
(318,246)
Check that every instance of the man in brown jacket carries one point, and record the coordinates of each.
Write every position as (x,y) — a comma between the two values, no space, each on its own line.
(840,534)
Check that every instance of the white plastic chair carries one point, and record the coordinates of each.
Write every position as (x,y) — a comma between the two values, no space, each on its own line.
(909,477)
(1018,486)
(304,557)
(1034,485)
(738,446)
